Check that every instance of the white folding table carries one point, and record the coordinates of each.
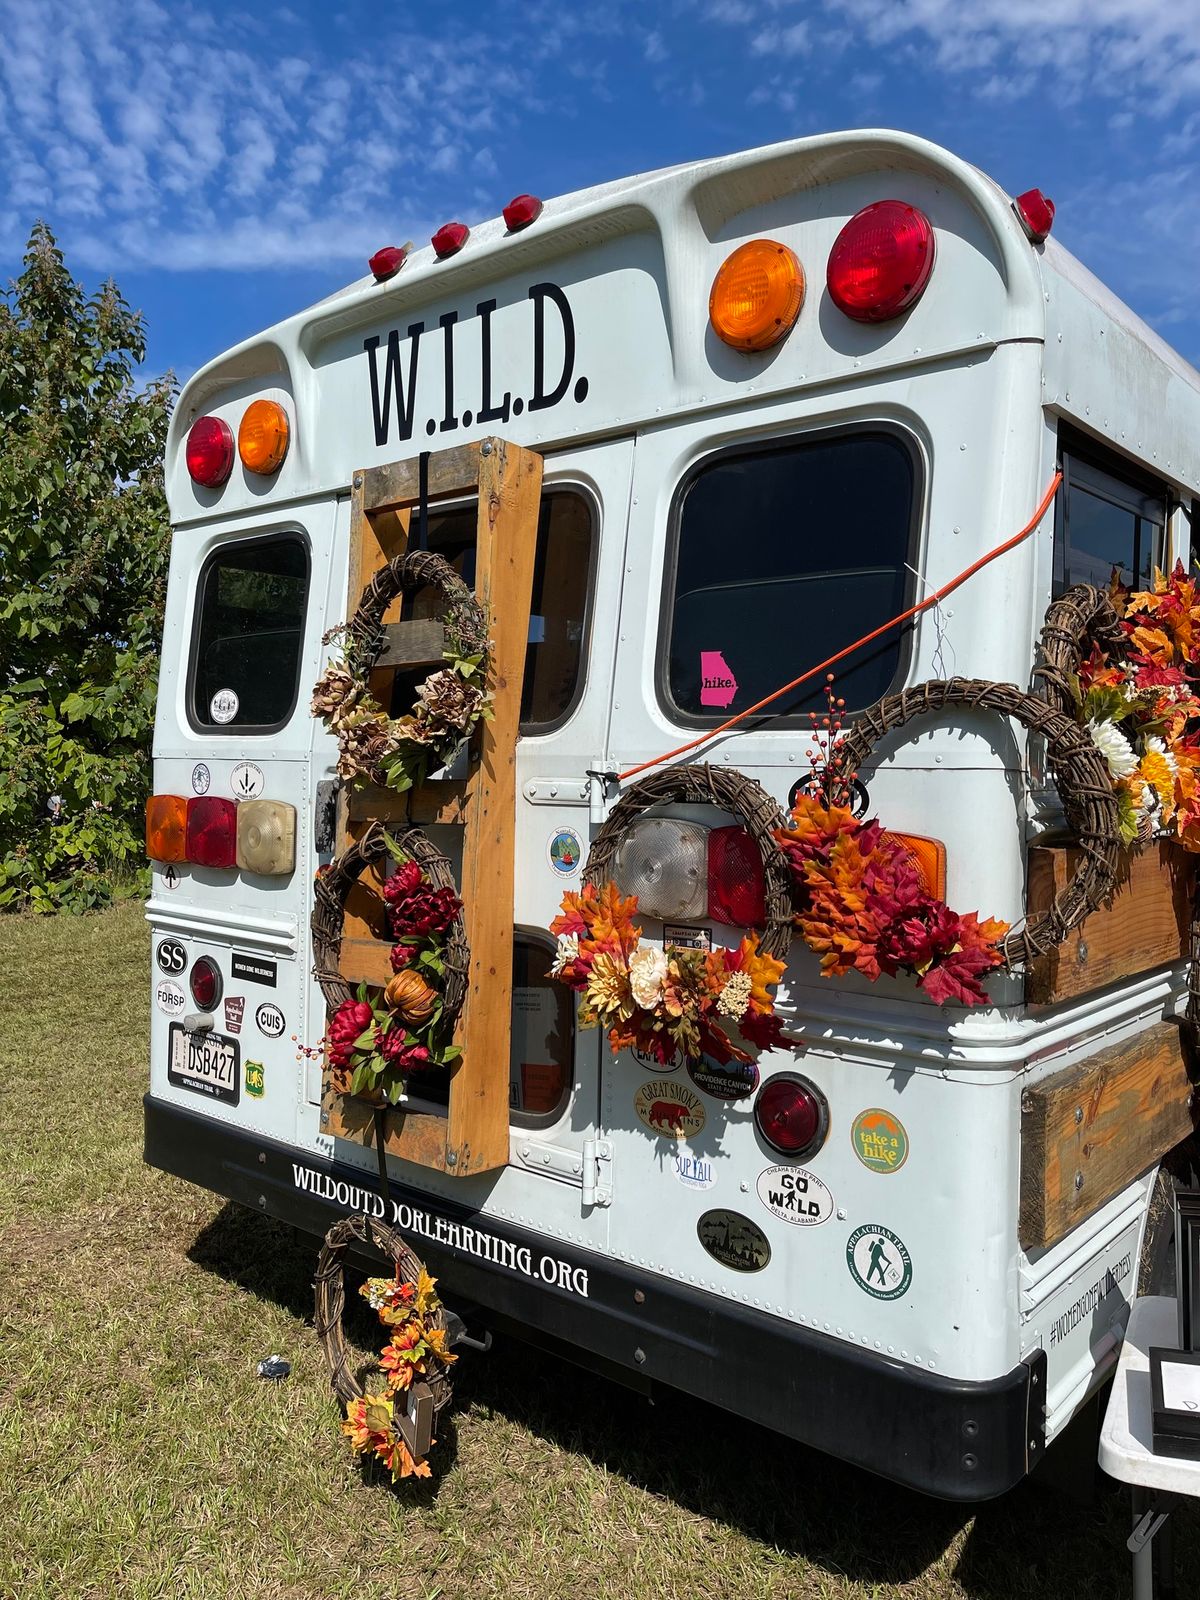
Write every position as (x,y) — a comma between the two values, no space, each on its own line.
(1159,1483)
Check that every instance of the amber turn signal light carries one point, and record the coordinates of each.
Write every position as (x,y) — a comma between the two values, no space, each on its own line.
(166,828)
(756,295)
(928,857)
(266,837)
(263,437)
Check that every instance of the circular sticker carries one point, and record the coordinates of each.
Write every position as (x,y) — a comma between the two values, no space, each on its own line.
(731,1082)
(170,877)
(201,778)
(565,851)
(270,1020)
(669,1108)
(223,706)
(794,1194)
(693,1173)
(170,998)
(171,956)
(645,1059)
(879,1262)
(879,1139)
(733,1240)
(247,781)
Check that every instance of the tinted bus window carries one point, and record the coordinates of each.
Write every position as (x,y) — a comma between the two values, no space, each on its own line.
(250,610)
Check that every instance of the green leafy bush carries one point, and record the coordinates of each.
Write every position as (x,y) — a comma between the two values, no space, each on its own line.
(84,541)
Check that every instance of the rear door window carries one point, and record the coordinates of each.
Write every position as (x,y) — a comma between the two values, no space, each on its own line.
(783,556)
(1107,523)
(250,609)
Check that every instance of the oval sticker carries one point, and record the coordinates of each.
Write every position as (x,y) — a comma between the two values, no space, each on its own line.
(170,998)
(669,1108)
(565,852)
(223,706)
(733,1240)
(270,1020)
(794,1194)
(732,1082)
(645,1059)
(880,1140)
(201,778)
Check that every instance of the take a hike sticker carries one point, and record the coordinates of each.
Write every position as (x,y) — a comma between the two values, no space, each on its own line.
(879,1262)
(880,1140)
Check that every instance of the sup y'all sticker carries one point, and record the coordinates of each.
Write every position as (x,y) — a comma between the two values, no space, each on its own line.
(879,1262)
(669,1108)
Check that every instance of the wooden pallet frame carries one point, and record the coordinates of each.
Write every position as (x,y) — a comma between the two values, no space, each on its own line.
(472,1135)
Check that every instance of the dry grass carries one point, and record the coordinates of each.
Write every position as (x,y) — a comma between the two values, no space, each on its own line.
(140,1456)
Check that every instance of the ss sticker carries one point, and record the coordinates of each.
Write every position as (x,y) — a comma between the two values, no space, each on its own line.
(171,956)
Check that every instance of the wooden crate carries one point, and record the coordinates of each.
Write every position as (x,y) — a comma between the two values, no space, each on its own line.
(1092,1129)
(1145,925)
(471,1136)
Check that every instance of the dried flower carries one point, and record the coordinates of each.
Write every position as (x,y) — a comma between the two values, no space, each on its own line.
(647,969)
(446,699)
(1114,747)
(411,998)
(735,996)
(566,954)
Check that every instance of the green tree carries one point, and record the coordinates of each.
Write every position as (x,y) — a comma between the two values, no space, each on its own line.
(84,541)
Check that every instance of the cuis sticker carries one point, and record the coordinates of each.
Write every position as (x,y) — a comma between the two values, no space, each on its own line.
(669,1108)
(880,1140)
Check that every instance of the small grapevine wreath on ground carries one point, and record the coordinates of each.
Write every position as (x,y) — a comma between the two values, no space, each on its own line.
(400,751)
(376,1039)
(415,1352)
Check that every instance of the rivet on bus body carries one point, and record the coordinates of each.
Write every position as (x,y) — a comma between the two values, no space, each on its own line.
(745,1188)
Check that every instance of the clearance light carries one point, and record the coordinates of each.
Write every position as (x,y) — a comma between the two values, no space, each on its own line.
(1035,211)
(449,239)
(212,831)
(928,857)
(792,1115)
(881,261)
(166,828)
(209,451)
(756,295)
(386,263)
(205,981)
(266,837)
(263,437)
(521,211)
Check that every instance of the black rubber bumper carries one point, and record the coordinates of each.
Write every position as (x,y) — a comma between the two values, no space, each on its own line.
(956,1440)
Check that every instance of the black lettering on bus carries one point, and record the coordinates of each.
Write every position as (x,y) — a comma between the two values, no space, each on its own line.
(487,411)
(394,383)
(539,294)
(446,324)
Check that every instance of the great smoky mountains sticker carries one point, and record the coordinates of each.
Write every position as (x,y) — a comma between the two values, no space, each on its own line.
(669,1108)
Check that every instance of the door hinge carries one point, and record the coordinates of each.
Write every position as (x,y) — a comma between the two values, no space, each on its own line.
(589,1169)
(597,1172)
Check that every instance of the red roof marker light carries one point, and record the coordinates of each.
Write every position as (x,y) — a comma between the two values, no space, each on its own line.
(449,239)
(521,211)
(1035,212)
(209,452)
(386,263)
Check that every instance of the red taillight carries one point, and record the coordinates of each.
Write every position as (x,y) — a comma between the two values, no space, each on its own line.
(736,892)
(791,1114)
(209,451)
(521,211)
(212,831)
(449,239)
(205,979)
(1035,211)
(386,263)
(881,261)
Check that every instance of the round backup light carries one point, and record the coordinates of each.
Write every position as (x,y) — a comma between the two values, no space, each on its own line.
(756,295)
(209,451)
(263,437)
(881,261)
(205,980)
(792,1115)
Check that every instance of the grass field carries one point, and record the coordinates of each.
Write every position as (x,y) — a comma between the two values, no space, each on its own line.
(140,1456)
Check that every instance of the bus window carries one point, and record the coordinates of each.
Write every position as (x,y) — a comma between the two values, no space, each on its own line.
(250,609)
(558,608)
(782,556)
(1106,523)
(543,1037)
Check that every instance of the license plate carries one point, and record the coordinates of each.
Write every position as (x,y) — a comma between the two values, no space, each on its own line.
(205,1062)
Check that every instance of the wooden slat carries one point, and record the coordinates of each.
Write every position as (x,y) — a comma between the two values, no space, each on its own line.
(365,960)
(452,472)
(1144,926)
(433,802)
(420,642)
(411,1135)
(1092,1129)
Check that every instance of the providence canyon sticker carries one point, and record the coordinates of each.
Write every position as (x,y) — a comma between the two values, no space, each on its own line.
(669,1108)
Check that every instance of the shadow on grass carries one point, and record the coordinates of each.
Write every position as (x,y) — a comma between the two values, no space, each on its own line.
(1033,1541)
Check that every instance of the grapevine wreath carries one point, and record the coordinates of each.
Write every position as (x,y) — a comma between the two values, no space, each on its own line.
(401,751)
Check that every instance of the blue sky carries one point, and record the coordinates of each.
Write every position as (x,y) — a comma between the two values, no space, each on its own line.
(228,164)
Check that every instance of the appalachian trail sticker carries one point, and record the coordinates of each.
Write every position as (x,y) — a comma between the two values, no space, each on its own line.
(879,1262)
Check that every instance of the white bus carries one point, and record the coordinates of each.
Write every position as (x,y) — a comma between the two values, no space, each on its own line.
(713,521)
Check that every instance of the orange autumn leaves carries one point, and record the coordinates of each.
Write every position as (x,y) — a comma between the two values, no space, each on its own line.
(416,1349)
(861,905)
(663,1002)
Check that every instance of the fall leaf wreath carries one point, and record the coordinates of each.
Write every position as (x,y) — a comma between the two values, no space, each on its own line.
(399,752)
(415,1349)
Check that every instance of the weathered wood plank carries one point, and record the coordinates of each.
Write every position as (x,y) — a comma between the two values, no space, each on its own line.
(1092,1129)
(417,1136)
(433,802)
(1144,926)
(398,483)
(420,642)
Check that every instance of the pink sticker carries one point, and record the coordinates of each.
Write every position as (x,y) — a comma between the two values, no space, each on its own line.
(717,683)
